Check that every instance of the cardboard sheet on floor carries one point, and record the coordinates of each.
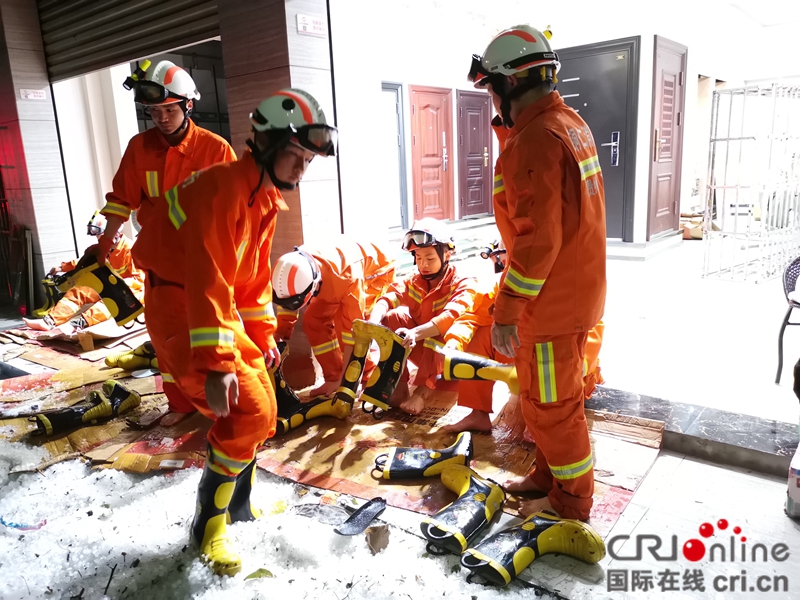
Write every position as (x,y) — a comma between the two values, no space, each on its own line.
(162,448)
(340,455)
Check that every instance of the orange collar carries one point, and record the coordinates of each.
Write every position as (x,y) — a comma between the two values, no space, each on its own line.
(552,100)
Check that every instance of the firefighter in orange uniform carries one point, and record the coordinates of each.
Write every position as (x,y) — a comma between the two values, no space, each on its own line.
(338,282)
(211,298)
(156,160)
(550,211)
(83,305)
(424,310)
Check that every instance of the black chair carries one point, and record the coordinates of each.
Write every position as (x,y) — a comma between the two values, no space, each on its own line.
(790,277)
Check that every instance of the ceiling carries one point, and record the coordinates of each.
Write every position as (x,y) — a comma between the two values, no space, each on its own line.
(769,13)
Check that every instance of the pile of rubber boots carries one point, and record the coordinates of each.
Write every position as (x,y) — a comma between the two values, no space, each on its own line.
(100,406)
(457,528)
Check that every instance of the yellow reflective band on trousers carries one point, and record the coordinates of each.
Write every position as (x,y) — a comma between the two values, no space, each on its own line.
(210,336)
(326,347)
(152,183)
(546,367)
(523,285)
(257,313)
(348,338)
(499,185)
(176,214)
(589,167)
(574,470)
(240,252)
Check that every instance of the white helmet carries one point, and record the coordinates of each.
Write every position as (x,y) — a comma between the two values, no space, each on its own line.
(296,279)
(299,114)
(512,51)
(167,83)
(428,232)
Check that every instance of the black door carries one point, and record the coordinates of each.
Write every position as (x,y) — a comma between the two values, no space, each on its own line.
(600,81)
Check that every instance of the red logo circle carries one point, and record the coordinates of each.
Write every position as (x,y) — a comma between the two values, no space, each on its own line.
(706,530)
(694,550)
(722,523)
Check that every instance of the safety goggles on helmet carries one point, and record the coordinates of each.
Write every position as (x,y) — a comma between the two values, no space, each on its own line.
(477,71)
(319,139)
(96,225)
(421,239)
(150,92)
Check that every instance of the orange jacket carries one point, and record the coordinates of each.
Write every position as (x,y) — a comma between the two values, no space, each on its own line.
(463,328)
(451,297)
(349,271)
(149,167)
(120,258)
(222,259)
(550,209)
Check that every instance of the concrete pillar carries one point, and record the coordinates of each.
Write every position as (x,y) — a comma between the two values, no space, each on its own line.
(262,53)
(32,171)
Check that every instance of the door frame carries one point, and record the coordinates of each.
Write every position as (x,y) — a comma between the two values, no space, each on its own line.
(633,46)
(462,156)
(388,86)
(449,179)
(662,42)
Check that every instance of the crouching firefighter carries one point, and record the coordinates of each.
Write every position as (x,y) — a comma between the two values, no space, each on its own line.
(84,305)
(211,296)
(155,161)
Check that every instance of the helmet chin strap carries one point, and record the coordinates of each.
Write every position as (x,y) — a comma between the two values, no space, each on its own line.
(444,263)
(266,160)
(506,95)
(187,112)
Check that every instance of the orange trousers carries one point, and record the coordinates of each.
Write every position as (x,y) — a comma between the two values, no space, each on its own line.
(253,419)
(73,302)
(550,371)
(427,361)
(477,395)
(332,362)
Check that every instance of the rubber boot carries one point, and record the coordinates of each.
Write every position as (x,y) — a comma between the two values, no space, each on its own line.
(413,463)
(240,508)
(143,357)
(209,527)
(52,296)
(291,412)
(387,372)
(500,558)
(460,366)
(113,400)
(452,529)
(352,374)
(113,291)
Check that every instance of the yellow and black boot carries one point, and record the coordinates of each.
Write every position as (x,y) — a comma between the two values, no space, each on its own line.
(459,366)
(413,463)
(384,379)
(113,291)
(143,357)
(113,400)
(291,412)
(501,557)
(240,508)
(52,295)
(451,530)
(355,368)
(209,527)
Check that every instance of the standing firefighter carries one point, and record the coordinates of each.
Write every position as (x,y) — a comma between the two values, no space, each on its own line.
(550,210)
(155,161)
(211,298)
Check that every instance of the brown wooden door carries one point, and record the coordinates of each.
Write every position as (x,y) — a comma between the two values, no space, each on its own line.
(666,144)
(431,152)
(475,165)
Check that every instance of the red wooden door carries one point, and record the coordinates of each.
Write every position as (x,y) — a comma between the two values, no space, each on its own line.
(475,165)
(431,152)
(667,139)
